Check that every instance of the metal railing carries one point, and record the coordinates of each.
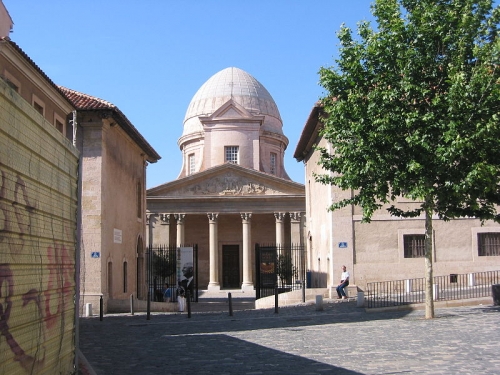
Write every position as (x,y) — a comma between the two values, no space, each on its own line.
(445,288)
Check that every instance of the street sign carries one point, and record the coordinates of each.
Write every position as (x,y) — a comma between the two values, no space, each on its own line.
(342,245)
(95,254)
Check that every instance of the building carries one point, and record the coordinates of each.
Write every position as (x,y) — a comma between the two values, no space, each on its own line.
(114,157)
(389,248)
(38,219)
(232,191)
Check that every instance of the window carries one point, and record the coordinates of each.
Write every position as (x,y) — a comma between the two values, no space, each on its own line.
(191,162)
(272,168)
(12,81)
(414,245)
(59,126)
(488,244)
(231,154)
(139,199)
(38,107)
(125,277)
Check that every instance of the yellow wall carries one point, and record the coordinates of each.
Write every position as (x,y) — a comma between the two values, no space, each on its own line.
(38,211)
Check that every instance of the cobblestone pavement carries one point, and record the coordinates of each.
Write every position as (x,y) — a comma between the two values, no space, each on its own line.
(341,339)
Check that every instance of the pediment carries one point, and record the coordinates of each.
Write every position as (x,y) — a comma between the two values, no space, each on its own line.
(228,180)
(230,110)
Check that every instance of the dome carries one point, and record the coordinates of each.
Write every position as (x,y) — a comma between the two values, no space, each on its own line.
(242,88)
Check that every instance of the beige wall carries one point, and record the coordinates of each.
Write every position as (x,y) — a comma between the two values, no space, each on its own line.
(38,212)
(113,224)
(374,251)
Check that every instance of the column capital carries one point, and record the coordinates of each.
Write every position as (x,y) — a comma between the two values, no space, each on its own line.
(180,218)
(279,215)
(246,216)
(148,216)
(165,219)
(212,216)
(296,216)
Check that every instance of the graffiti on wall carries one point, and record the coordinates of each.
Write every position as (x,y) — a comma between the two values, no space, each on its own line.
(37,279)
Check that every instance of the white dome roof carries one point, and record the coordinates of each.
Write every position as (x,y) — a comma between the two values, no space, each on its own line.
(242,88)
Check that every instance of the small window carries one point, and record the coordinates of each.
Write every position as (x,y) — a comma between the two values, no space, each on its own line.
(488,244)
(59,126)
(272,166)
(414,245)
(12,81)
(38,107)
(191,161)
(231,154)
(139,199)
(125,277)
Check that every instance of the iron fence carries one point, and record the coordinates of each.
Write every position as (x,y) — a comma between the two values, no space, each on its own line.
(445,288)
(281,267)
(161,269)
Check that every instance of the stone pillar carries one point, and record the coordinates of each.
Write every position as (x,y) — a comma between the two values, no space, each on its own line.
(180,229)
(296,228)
(280,228)
(165,230)
(214,252)
(247,258)
(149,227)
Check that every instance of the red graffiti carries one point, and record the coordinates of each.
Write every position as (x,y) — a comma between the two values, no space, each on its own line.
(27,362)
(61,270)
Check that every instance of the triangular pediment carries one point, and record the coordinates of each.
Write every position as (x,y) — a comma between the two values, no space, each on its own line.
(230,110)
(228,180)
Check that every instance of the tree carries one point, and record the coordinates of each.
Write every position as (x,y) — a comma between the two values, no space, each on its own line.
(412,109)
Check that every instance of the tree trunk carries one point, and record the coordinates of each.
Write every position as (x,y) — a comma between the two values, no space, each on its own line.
(429,297)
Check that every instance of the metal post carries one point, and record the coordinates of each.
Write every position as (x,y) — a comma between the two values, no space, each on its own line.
(131,304)
(148,306)
(230,304)
(276,299)
(188,298)
(303,291)
(101,309)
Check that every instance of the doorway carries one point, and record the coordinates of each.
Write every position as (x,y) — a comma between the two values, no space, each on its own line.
(231,266)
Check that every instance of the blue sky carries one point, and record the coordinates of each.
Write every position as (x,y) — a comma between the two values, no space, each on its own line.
(150,57)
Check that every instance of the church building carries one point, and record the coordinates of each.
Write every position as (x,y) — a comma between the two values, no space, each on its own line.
(232,191)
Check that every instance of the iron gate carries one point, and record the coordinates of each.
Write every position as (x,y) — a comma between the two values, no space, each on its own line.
(162,266)
(281,267)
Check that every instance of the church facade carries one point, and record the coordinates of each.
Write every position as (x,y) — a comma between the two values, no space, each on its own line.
(232,191)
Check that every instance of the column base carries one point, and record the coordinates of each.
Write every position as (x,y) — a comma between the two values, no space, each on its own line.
(213,287)
(247,287)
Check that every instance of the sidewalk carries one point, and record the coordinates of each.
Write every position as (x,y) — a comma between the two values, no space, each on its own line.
(340,339)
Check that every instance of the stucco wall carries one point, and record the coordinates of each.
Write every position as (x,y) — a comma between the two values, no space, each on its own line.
(113,223)
(38,211)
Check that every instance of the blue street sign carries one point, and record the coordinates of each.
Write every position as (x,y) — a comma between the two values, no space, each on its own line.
(342,245)
(95,254)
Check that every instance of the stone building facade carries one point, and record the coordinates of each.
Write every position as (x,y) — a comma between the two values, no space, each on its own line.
(381,250)
(232,191)
(114,157)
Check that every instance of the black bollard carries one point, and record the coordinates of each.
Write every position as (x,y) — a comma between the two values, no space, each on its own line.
(188,300)
(101,309)
(148,307)
(276,300)
(230,304)
(303,291)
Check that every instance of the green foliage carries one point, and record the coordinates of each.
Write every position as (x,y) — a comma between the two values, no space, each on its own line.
(285,269)
(164,264)
(412,109)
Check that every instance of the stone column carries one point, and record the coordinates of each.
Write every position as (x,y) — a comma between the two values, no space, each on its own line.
(180,229)
(149,227)
(247,258)
(280,228)
(161,234)
(213,284)
(296,228)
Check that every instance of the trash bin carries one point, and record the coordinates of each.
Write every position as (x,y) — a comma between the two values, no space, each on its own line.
(308,279)
(495,291)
